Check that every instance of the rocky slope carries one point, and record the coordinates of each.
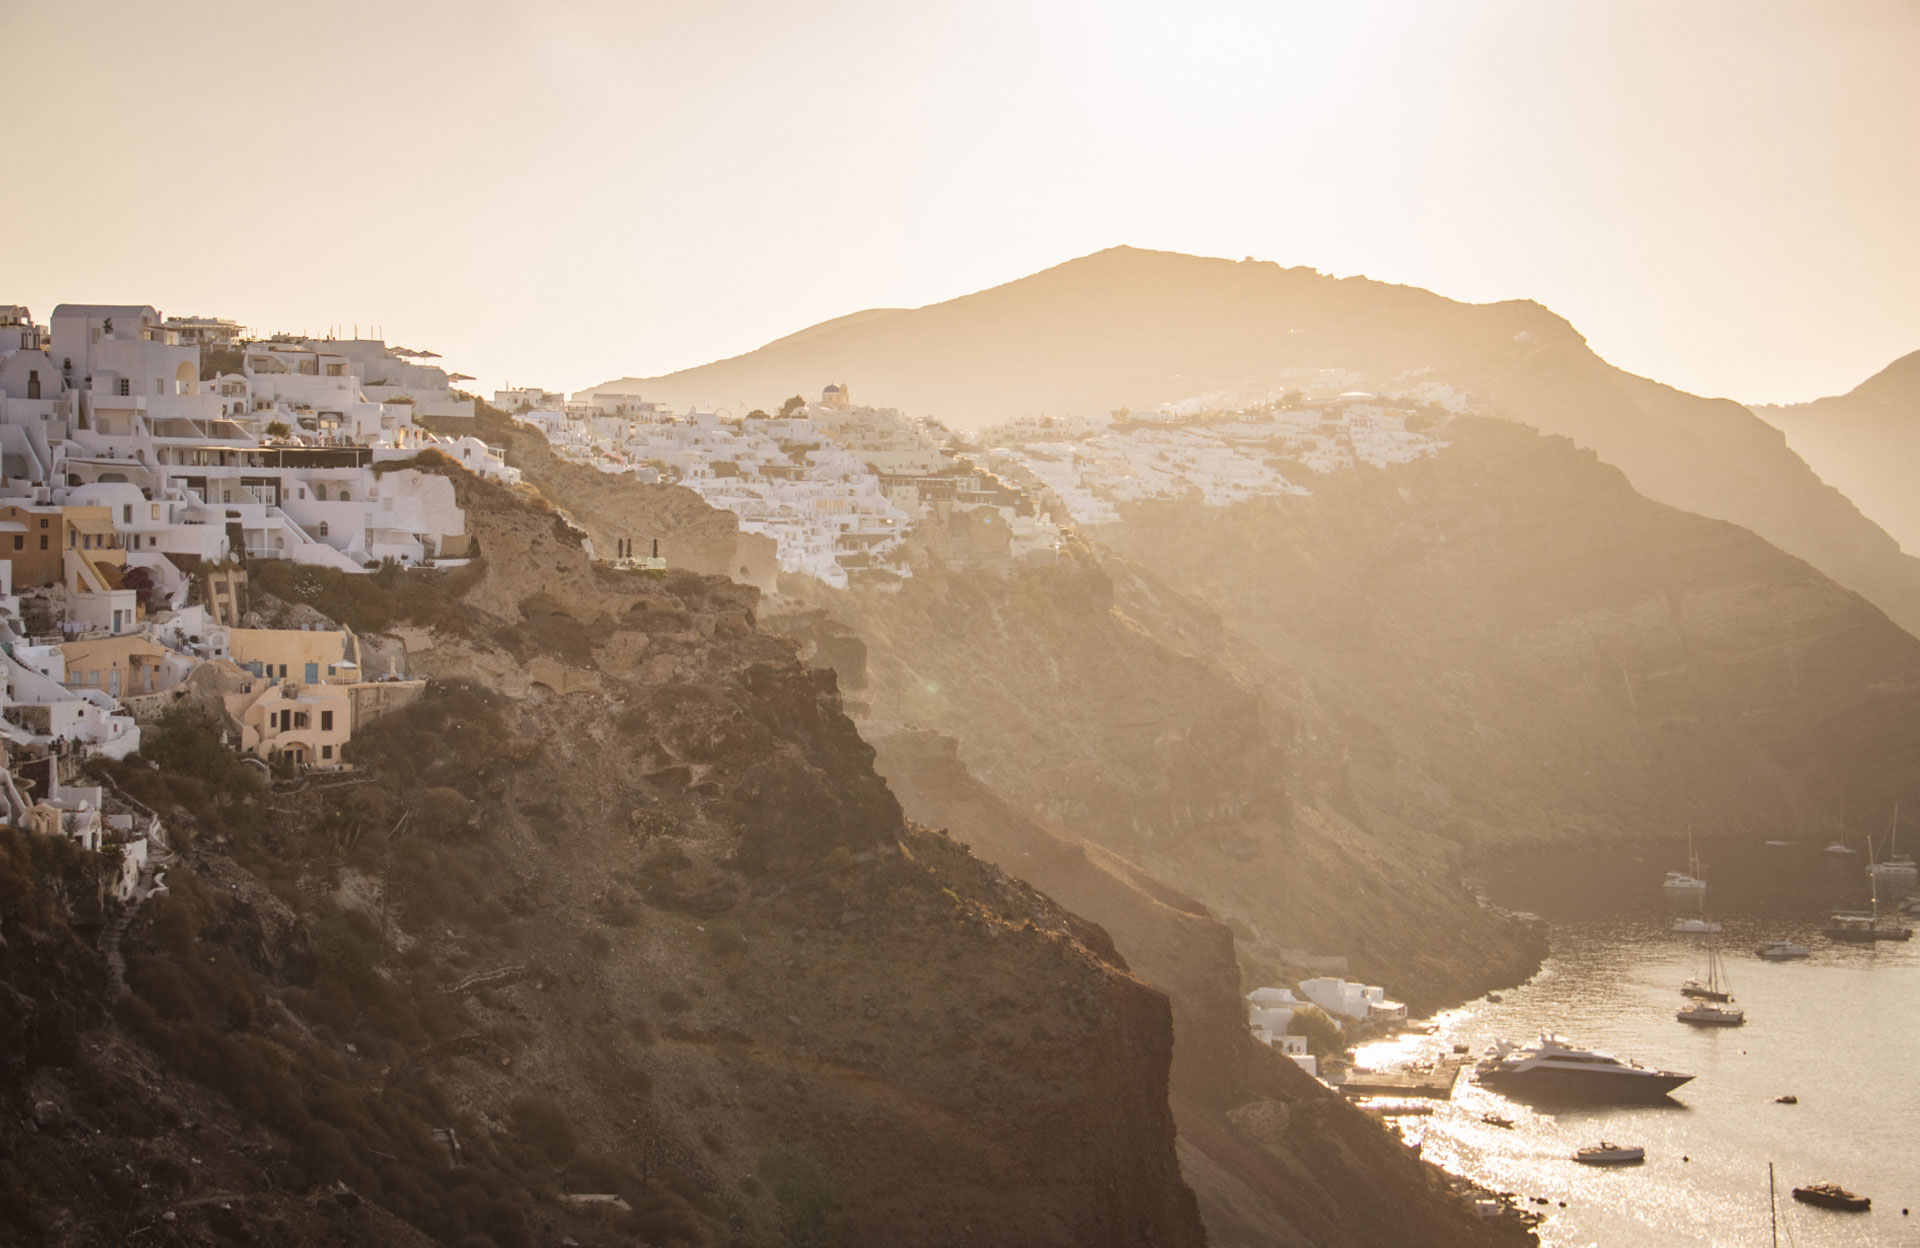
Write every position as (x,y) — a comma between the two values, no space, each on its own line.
(1281,1183)
(653,928)
(692,534)
(1126,713)
(1274,1156)
(1511,643)
(1865,442)
(1127,327)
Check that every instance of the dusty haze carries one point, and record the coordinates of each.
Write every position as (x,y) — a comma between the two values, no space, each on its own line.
(1720,195)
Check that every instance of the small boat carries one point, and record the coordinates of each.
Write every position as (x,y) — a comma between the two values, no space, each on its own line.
(1788,1099)
(1697,927)
(1495,1120)
(1838,848)
(1782,950)
(1860,929)
(1831,1196)
(1605,1154)
(1712,1014)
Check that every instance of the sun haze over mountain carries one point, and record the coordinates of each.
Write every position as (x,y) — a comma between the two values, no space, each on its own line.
(1866,443)
(1132,328)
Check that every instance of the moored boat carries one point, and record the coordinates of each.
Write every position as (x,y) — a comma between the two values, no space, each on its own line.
(1697,927)
(1782,950)
(1712,1014)
(1831,1196)
(1551,1069)
(1607,1154)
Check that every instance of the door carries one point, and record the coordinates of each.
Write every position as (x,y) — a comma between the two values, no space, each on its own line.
(313,673)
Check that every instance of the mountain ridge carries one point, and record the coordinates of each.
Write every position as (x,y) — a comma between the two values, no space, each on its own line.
(1127,327)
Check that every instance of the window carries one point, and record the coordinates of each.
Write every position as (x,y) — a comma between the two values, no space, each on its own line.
(33,383)
(126,513)
(326,751)
(43,540)
(125,387)
(19,542)
(43,523)
(326,722)
(283,671)
(323,528)
(320,491)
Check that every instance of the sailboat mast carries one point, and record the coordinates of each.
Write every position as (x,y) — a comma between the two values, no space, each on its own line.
(1773,1207)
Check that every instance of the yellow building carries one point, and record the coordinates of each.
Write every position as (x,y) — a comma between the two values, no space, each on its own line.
(120,666)
(312,658)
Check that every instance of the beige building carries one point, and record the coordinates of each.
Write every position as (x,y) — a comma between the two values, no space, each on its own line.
(309,724)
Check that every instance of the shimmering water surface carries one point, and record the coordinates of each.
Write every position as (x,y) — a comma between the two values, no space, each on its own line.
(1840,1030)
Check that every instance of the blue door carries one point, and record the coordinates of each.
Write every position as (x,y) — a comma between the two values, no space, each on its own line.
(313,673)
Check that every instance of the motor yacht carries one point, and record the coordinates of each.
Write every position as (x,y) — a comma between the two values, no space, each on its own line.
(1608,1154)
(1697,927)
(1783,950)
(1838,848)
(1552,1069)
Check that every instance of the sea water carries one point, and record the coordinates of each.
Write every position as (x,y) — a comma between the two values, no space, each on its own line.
(1839,1030)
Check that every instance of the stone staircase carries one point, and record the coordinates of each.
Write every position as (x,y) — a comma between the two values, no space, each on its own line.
(115,933)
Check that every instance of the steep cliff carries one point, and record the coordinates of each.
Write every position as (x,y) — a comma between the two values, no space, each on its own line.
(1274,1157)
(693,535)
(1508,642)
(1127,713)
(663,936)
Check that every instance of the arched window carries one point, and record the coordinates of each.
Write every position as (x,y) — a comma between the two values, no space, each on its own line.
(320,491)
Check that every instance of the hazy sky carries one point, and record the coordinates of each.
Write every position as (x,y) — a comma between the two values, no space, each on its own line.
(1724,196)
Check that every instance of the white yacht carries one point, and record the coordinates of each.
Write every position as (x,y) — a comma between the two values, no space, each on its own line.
(1552,1069)
(1606,1153)
(1840,847)
(1697,927)
(1712,1014)
(1783,950)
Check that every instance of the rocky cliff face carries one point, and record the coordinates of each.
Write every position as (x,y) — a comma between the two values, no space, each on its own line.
(1108,702)
(1510,643)
(693,535)
(1274,1157)
(653,928)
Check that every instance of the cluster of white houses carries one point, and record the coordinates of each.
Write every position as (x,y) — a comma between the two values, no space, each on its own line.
(1270,1012)
(1086,467)
(142,455)
(840,488)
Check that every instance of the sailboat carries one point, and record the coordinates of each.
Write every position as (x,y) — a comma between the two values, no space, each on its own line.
(1713,989)
(1712,1005)
(1688,882)
(1898,868)
(1857,928)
